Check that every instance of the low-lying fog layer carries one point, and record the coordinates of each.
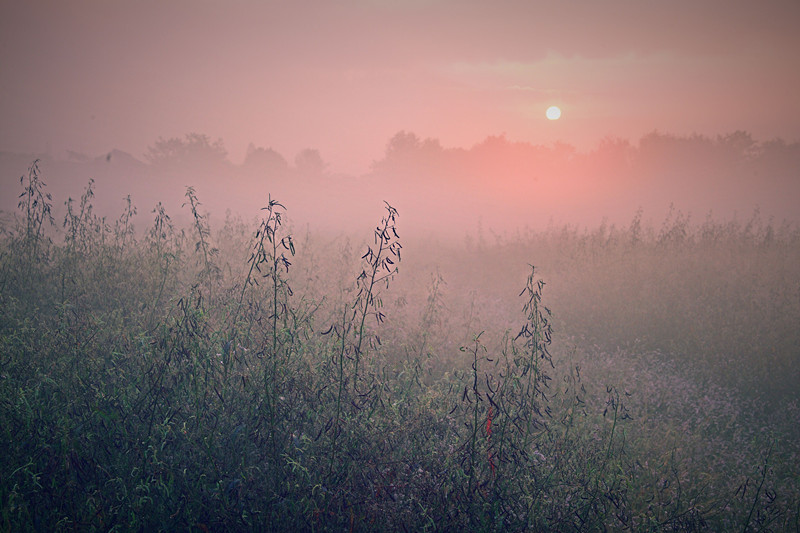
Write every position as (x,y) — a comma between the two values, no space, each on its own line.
(497,186)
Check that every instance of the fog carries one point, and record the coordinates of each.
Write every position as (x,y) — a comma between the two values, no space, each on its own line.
(435,107)
(330,266)
(344,79)
(498,185)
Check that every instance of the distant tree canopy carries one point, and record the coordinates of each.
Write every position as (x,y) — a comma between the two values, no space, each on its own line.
(676,160)
(657,154)
(265,160)
(309,163)
(192,152)
(407,152)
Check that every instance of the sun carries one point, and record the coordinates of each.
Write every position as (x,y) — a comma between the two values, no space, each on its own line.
(553,113)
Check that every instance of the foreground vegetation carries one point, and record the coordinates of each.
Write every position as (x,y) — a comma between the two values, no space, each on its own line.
(243,378)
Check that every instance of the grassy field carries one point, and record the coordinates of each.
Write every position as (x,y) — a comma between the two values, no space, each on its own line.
(247,377)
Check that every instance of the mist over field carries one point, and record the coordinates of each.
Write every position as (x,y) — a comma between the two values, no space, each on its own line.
(293,364)
(498,185)
(321,267)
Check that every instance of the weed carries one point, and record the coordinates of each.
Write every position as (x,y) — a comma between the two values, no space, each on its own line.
(150,382)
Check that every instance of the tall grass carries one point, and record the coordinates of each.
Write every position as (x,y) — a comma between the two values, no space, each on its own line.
(233,379)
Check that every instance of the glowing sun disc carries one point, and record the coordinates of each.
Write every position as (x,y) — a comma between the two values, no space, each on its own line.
(553,113)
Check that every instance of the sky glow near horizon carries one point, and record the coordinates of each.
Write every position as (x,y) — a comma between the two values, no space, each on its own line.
(91,76)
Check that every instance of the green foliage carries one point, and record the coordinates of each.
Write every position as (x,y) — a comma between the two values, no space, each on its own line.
(149,382)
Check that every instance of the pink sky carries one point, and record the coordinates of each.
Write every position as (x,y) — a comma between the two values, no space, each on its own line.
(344,77)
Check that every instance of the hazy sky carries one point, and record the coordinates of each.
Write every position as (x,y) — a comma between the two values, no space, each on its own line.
(345,76)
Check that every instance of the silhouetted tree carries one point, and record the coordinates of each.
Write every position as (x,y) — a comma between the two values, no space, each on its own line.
(265,160)
(737,146)
(309,163)
(411,156)
(612,154)
(195,151)
(402,144)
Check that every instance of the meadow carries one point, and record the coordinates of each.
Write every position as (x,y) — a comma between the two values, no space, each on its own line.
(251,376)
